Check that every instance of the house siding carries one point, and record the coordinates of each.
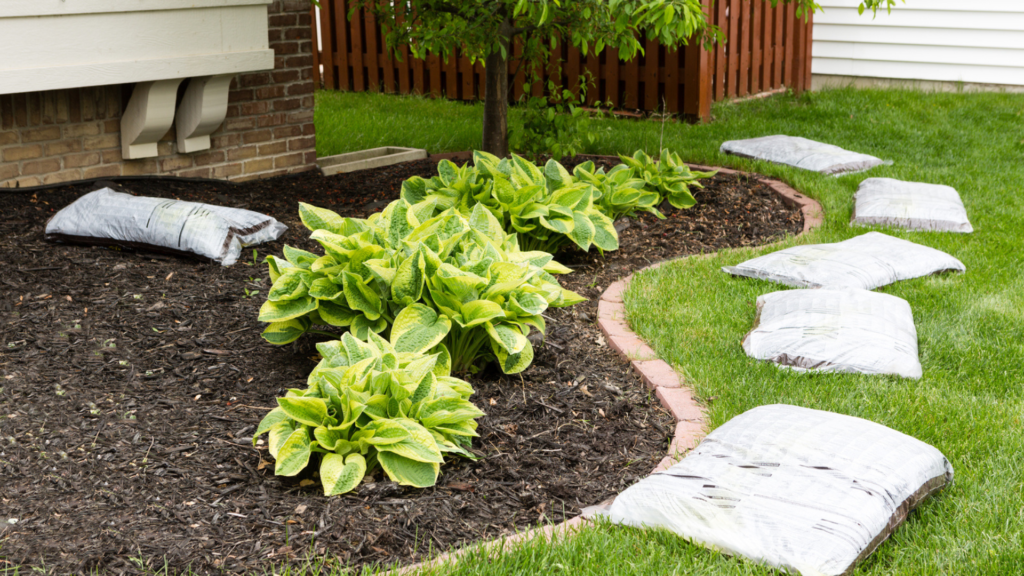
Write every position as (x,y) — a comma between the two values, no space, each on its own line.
(934,40)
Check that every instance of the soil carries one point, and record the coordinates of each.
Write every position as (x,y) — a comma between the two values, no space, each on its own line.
(131,384)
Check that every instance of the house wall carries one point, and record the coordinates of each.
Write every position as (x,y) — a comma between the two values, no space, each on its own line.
(65,135)
(978,42)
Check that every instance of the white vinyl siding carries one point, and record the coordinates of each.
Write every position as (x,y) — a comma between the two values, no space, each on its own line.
(981,41)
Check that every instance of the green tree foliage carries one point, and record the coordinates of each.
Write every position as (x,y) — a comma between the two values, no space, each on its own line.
(485,30)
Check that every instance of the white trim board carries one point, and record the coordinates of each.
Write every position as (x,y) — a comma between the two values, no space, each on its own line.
(28,8)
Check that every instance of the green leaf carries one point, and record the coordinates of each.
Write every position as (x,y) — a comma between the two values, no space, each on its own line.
(320,219)
(293,456)
(408,472)
(527,304)
(557,176)
(386,432)
(418,328)
(407,286)
(583,231)
(341,474)
(324,289)
(289,286)
(273,418)
(336,314)
(360,296)
(507,338)
(327,437)
(605,236)
(479,311)
(286,310)
(362,327)
(513,363)
(419,446)
(285,332)
(308,411)
(300,258)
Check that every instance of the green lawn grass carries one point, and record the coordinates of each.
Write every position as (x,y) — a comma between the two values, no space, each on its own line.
(970,402)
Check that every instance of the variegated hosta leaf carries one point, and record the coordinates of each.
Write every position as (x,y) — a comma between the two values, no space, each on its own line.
(341,474)
(513,363)
(291,285)
(285,332)
(408,472)
(287,309)
(308,411)
(273,418)
(361,297)
(336,314)
(293,455)
(418,328)
(583,230)
(299,258)
(407,286)
(320,219)
(479,311)
(506,337)
(605,236)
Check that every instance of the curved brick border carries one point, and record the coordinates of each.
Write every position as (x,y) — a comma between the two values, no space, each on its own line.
(656,374)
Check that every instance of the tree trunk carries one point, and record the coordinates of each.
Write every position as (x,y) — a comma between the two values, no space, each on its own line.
(495,138)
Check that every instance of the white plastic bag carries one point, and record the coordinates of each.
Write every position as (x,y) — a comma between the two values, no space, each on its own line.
(808,491)
(835,331)
(868,261)
(802,153)
(109,217)
(910,205)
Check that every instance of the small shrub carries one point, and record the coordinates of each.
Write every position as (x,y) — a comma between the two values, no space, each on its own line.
(669,177)
(468,273)
(368,404)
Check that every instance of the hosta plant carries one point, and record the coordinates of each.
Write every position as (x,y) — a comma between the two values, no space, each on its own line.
(547,209)
(467,272)
(669,177)
(619,192)
(375,403)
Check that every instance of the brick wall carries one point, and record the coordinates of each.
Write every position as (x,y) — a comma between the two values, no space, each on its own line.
(65,135)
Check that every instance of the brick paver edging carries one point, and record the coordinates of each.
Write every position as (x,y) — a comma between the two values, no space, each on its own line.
(661,378)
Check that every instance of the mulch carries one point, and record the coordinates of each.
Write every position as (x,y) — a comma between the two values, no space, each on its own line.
(131,384)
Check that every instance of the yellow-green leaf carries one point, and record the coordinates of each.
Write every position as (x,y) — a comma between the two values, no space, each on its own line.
(418,328)
(341,474)
(308,411)
(286,310)
(409,472)
(293,455)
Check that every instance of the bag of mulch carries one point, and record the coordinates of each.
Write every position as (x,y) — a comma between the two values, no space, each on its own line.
(910,205)
(802,153)
(806,491)
(835,331)
(105,217)
(868,261)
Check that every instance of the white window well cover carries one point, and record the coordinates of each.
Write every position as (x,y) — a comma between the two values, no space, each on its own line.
(807,491)
(106,217)
(835,331)
(910,205)
(802,153)
(868,261)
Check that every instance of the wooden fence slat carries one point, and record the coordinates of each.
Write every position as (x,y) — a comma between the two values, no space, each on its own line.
(434,66)
(744,32)
(343,77)
(721,58)
(673,72)
(650,78)
(451,77)
(789,37)
(572,69)
(466,69)
(767,49)
(808,50)
(779,50)
(755,47)
(372,65)
(356,54)
(387,63)
(733,46)
(611,77)
(631,76)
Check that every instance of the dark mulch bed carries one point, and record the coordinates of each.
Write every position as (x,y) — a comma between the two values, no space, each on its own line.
(132,383)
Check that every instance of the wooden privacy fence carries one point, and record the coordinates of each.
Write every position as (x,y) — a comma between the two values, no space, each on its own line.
(765,49)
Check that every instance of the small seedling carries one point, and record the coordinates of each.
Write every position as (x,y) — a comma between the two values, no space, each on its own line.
(250,293)
(137,296)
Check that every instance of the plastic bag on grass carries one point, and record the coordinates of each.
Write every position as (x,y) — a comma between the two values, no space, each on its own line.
(868,261)
(835,331)
(216,232)
(808,491)
(802,153)
(909,205)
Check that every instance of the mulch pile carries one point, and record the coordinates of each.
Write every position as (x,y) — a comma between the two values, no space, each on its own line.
(131,384)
